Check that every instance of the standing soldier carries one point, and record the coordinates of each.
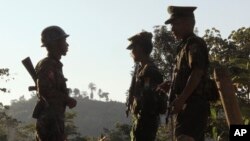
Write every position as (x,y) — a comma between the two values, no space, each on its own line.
(51,87)
(143,101)
(190,72)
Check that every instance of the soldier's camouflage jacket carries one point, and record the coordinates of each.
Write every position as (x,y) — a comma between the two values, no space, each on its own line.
(144,99)
(51,85)
(191,52)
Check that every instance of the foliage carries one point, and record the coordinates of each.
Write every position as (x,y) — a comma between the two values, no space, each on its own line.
(92,88)
(4,75)
(121,132)
(70,127)
(89,116)
(7,123)
(164,50)
(12,129)
(102,94)
(26,132)
(234,53)
(84,94)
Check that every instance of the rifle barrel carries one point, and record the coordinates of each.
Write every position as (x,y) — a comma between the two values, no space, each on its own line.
(30,68)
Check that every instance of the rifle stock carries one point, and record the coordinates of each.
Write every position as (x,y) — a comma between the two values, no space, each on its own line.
(30,68)
(42,102)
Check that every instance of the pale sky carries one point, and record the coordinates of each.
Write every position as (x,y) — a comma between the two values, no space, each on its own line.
(98,36)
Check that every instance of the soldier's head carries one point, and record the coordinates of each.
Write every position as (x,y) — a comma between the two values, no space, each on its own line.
(54,39)
(140,45)
(182,20)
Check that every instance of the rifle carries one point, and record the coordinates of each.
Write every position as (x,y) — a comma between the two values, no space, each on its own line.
(131,90)
(42,101)
(30,68)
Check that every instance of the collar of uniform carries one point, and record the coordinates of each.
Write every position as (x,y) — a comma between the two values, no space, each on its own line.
(185,38)
(56,60)
(142,69)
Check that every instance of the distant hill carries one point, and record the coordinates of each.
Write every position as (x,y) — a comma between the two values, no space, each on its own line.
(92,115)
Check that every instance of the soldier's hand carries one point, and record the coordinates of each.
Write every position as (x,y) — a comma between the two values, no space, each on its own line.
(164,87)
(71,102)
(178,105)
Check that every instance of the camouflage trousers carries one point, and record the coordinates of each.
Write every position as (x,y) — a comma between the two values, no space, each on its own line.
(50,129)
(144,128)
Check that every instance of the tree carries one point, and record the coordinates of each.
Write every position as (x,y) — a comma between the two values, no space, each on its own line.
(3,117)
(235,55)
(70,127)
(70,91)
(4,75)
(25,132)
(92,88)
(22,98)
(164,52)
(76,92)
(106,95)
(8,125)
(100,93)
(121,132)
(84,94)
(241,72)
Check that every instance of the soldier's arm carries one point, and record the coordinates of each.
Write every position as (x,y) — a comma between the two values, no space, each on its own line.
(197,60)
(47,84)
(192,83)
(164,86)
(197,63)
(47,89)
(152,78)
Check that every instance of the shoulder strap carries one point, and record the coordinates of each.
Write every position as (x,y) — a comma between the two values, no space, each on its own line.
(45,64)
(189,41)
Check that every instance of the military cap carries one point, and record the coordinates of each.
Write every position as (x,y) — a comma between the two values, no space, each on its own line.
(52,33)
(180,12)
(142,38)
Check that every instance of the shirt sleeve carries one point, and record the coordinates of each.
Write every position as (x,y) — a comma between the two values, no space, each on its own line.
(197,56)
(47,83)
(152,76)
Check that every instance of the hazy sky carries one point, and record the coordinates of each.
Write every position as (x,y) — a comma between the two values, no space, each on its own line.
(98,36)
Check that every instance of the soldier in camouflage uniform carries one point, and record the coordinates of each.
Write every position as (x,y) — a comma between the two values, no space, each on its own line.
(143,101)
(188,98)
(51,87)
